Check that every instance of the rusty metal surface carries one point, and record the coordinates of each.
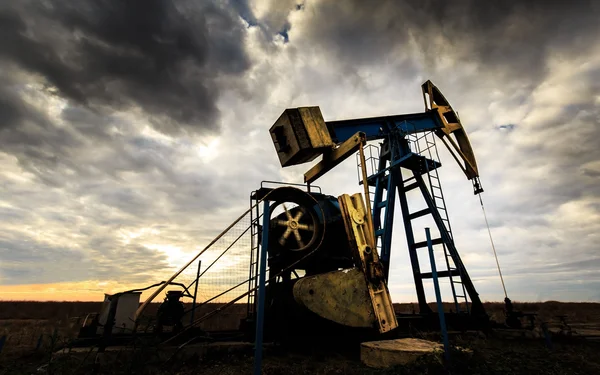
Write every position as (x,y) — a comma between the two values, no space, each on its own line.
(300,135)
(459,145)
(340,296)
(360,237)
(334,157)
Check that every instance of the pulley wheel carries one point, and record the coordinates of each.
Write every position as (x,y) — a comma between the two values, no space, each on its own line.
(294,220)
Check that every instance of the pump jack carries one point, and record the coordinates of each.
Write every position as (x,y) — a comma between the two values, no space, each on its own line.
(407,160)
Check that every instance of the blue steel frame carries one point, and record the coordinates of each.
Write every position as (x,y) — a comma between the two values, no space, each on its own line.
(395,150)
(380,127)
(395,154)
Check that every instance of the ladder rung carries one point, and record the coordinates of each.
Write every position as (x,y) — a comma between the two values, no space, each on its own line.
(419,213)
(457,296)
(435,241)
(429,275)
(379,232)
(382,204)
(408,179)
(411,186)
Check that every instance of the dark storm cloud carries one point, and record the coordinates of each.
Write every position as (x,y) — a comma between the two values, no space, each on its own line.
(243,9)
(510,36)
(274,20)
(159,55)
(14,111)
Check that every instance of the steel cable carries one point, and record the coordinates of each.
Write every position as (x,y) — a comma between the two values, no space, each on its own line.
(493,246)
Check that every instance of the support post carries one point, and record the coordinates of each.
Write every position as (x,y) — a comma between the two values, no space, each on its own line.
(438,296)
(39,342)
(195,292)
(260,312)
(396,173)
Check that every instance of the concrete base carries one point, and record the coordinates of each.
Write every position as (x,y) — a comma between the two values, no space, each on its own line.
(388,353)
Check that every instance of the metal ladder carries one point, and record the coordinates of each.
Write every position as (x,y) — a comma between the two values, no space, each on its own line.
(379,184)
(254,258)
(425,145)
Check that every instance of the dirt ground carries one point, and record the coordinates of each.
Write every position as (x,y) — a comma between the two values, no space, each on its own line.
(32,343)
(490,356)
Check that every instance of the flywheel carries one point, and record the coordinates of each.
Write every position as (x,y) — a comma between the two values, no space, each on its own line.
(295,220)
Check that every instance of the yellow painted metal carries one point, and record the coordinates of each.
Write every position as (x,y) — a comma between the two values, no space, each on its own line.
(356,297)
(459,145)
(340,296)
(315,126)
(300,135)
(366,259)
(335,156)
(363,167)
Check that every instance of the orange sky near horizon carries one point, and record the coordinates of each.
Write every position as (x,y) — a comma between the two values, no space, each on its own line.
(91,290)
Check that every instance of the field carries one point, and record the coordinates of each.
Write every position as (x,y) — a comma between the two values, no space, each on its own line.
(34,330)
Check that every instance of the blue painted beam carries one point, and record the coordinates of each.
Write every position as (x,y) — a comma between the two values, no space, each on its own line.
(438,296)
(380,127)
(260,311)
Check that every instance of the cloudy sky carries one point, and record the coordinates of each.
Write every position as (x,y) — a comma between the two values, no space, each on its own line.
(132,132)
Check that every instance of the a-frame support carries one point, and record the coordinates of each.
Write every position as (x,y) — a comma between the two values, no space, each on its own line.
(389,181)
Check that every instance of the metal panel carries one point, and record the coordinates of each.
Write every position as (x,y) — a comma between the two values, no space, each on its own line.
(300,135)
(125,312)
(367,259)
(334,157)
(435,102)
(340,296)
